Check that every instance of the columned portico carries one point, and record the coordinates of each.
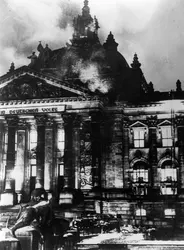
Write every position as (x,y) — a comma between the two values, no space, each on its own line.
(41,149)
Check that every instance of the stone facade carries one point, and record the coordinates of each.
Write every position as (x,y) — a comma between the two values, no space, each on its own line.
(109,144)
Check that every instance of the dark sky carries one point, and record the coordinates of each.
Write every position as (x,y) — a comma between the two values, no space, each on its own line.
(154,29)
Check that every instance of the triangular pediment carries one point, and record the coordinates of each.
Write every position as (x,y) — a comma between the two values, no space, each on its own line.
(165,123)
(25,83)
(138,124)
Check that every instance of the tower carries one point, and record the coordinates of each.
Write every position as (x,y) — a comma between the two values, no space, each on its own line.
(85,27)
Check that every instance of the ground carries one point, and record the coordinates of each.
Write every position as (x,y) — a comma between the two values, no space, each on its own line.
(113,237)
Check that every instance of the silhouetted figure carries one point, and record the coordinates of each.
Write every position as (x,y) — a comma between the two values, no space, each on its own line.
(33,58)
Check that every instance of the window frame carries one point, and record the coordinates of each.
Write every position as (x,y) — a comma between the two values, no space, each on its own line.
(139,139)
(139,169)
(33,171)
(139,132)
(169,213)
(169,185)
(166,135)
(140,212)
(61,169)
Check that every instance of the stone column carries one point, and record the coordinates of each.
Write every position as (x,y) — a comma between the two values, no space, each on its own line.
(68,171)
(5,150)
(40,153)
(66,195)
(59,154)
(8,197)
(76,150)
(48,155)
(20,159)
(31,154)
(12,123)
(126,153)
(96,149)
(152,123)
(2,166)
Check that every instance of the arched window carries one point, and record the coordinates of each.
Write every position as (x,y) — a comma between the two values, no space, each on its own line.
(140,212)
(168,171)
(140,178)
(168,177)
(140,172)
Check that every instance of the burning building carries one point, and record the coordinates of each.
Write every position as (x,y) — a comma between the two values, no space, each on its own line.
(81,124)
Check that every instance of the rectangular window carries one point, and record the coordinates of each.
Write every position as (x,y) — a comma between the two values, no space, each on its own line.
(169,213)
(166,136)
(61,169)
(139,134)
(33,138)
(61,141)
(140,212)
(33,170)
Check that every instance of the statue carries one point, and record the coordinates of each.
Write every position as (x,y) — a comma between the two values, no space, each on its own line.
(33,58)
(44,55)
(39,214)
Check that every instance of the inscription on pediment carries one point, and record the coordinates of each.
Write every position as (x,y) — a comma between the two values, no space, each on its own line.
(27,87)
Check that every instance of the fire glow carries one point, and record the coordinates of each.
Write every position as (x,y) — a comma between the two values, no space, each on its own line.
(89,73)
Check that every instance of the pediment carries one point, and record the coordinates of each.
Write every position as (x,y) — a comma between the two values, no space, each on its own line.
(138,124)
(25,83)
(164,123)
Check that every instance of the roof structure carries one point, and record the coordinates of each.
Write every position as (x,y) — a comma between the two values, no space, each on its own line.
(84,66)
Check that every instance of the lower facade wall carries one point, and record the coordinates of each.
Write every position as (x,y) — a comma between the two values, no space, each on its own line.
(155,213)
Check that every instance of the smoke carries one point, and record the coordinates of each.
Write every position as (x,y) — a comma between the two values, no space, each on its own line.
(89,73)
(69,11)
(163,41)
(24,23)
(154,31)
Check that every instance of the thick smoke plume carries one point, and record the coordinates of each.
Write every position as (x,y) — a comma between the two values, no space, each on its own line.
(154,31)
(25,22)
(90,70)
(89,73)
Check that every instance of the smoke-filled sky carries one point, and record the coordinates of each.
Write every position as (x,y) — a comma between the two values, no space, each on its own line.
(154,29)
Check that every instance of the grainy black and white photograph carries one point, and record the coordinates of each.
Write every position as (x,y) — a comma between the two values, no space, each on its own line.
(91,124)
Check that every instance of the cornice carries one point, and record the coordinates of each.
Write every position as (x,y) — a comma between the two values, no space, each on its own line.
(49,101)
